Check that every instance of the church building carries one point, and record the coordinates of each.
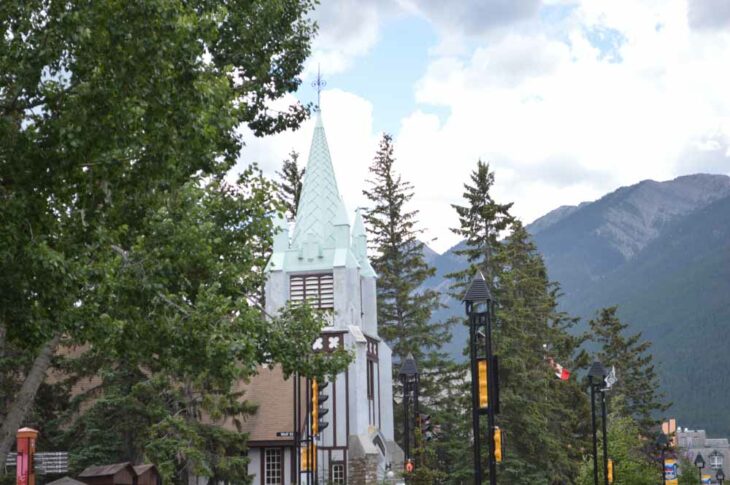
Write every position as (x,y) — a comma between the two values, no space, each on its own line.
(324,262)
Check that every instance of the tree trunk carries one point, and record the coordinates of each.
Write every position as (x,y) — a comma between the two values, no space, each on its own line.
(23,401)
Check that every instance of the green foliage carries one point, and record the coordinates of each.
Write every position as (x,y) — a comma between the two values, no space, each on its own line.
(178,305)
(627,449)
(290,184)
(112,114)
(544,420)
(404,312)
(638,384)
(481,222)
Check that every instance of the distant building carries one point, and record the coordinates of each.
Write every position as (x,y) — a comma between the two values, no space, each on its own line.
(715,451)
(325,263)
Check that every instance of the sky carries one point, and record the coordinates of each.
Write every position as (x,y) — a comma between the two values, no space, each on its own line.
(566,100)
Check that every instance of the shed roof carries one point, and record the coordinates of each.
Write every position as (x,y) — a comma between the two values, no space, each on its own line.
(66,481)
(140,469)
(105,470)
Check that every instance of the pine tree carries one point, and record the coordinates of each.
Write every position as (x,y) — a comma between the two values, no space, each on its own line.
(404,310)
(543,419)
(638,383)
(290,184)
(480,223)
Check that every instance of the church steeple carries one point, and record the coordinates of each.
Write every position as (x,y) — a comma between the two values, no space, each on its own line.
(320,206)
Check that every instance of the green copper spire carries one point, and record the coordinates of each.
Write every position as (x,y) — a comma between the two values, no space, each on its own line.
(320,205)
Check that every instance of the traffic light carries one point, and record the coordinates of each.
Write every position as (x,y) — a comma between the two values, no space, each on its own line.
(610,470)
(424,423)
(409,466)
(318,409)
(497,444)
(483,384)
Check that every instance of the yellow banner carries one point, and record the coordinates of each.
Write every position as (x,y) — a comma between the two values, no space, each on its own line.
(483,389)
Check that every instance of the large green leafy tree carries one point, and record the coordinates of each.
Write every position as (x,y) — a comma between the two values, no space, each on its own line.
(180,322)
(106,108)
(404,310)
(638,389)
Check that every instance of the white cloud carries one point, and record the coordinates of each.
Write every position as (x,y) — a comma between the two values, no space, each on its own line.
(616,92)
(560,121)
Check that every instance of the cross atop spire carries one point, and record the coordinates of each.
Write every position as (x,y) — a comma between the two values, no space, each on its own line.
(319,84)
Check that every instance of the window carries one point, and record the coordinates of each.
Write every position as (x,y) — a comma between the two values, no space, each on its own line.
(272,466)
(715,461)
(338,473)
(317,290)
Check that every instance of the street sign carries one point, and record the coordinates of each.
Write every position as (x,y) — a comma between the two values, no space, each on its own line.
(45,462)
(285,434)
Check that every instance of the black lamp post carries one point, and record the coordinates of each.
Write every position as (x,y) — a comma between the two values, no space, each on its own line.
(596,376)
(700,464)
(478,300)
(720,477)
(662,443)
(409,378)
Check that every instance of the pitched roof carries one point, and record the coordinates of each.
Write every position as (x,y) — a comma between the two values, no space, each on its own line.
(105,470)
(140,469)
(66,481)
(320,205)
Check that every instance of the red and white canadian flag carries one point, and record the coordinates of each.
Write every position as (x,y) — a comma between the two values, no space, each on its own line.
(560,372)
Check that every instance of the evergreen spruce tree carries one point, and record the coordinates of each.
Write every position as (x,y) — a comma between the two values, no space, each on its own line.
(289,186)
(638,383)
(404,310)
(542,418)
(480,223)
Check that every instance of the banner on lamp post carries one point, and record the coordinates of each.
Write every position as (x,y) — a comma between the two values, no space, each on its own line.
(671,474)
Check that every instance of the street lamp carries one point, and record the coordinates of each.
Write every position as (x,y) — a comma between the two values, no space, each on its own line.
(720,476)
(662,443)
(700,464)
(478,300)
(409,378)
(596,376)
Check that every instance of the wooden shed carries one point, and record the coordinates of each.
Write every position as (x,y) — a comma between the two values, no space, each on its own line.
(116,474)
(147,475)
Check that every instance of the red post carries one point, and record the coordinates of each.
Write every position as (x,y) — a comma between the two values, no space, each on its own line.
(25,441)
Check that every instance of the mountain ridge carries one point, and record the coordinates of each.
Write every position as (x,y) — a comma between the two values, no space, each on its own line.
(660,251)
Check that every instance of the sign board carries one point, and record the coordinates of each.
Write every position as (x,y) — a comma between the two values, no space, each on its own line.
(45,462)
(285,434)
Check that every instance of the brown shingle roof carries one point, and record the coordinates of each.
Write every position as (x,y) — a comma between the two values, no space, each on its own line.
(105,470)
(66,481)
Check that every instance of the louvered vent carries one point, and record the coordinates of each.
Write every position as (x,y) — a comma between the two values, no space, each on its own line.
(317,290)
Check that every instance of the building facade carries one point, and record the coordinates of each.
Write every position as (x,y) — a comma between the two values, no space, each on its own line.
(324,262)
(714,451)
